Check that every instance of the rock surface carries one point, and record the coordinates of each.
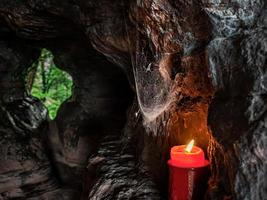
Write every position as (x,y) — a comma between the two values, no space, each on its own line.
(197,69)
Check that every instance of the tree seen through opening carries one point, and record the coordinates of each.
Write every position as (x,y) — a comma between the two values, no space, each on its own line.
(50,84)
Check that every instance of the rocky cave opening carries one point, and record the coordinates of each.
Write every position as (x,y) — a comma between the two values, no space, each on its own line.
(147,75)
(48,83)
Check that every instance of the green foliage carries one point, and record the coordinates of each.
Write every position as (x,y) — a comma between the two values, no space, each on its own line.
(50,84)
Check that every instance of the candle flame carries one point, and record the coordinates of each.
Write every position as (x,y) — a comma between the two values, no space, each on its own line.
(189,147)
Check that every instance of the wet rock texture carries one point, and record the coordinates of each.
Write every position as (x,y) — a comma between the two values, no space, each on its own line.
(196,68)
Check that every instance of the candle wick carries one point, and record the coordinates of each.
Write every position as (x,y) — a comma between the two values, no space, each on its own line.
(186,151)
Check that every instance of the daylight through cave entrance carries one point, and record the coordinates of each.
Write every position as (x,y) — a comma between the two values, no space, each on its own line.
(48,83)
(148,77)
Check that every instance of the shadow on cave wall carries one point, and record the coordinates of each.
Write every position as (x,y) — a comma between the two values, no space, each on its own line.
(56,152)
(211,57)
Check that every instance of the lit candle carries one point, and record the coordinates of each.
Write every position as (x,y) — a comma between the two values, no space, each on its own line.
(187,156)
(188,172)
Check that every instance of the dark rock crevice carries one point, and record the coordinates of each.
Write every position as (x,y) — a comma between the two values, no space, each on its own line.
(204,62)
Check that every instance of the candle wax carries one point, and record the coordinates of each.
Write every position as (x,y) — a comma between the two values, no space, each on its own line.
(183,159)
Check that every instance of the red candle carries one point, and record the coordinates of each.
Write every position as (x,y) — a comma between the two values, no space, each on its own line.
(187,156)
(188,172)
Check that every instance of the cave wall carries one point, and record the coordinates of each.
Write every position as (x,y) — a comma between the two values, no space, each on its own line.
(100,97)
(237,112)
(25,167)
(209,57)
